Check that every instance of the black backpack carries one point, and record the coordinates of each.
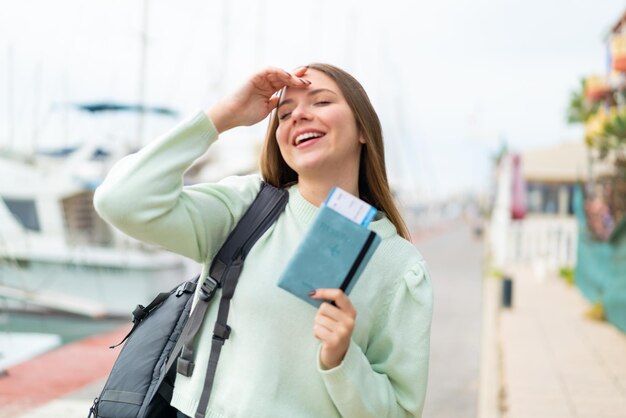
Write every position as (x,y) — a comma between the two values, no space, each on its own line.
(140,384)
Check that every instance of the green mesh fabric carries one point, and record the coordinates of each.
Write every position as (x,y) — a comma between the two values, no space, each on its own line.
(601,267)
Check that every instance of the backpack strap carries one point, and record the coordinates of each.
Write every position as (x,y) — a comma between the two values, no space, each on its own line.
(224,273)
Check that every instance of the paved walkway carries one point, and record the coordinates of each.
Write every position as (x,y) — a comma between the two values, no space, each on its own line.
(61,383)
(73,405)
(455,260)
(555,362)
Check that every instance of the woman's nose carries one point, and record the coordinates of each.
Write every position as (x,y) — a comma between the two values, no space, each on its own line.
(300,113)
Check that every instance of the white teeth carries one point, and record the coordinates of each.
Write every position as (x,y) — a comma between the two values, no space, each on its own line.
(307,135)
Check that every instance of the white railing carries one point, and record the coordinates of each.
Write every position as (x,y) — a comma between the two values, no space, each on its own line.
(550,241)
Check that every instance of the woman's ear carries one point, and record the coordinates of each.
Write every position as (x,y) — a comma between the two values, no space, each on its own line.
(362,138)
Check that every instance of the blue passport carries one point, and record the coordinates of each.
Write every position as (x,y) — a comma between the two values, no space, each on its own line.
(333,253)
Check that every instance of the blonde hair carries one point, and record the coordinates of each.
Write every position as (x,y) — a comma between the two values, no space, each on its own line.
(373,184)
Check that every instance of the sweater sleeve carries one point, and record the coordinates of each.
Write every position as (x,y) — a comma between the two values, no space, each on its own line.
(143,195)
(389,379)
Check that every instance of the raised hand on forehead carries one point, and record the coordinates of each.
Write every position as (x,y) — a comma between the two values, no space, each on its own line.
(255,99)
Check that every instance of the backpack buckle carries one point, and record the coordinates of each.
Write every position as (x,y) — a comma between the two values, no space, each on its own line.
(208,288)
(139,313)
(187,287)
(184,367)
(221,332)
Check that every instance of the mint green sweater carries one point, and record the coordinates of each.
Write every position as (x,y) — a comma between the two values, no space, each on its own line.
(270,365)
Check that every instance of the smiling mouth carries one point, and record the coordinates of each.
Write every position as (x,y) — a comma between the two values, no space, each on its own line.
(308,136)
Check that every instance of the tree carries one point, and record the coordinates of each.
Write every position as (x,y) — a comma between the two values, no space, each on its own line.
(580,109)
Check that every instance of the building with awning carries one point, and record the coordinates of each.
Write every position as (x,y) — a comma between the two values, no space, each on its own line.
(533,217)
(550,174)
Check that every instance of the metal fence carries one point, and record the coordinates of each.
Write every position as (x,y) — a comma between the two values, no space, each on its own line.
(550,241)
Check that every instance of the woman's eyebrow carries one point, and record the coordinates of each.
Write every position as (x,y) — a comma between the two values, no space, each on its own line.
(310,93)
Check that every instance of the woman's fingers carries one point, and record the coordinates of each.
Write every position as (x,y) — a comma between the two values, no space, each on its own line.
(340,317)
(335,346)
(326,335)
(333,325)
(336,314)
(272,103)
(325,322)
(342,301)
(341,324)
(272,79)
(299,72)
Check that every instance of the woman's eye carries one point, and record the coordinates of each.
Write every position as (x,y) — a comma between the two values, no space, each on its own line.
(284,116)
(322,102)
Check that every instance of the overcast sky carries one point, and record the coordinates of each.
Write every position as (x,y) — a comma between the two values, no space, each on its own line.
(450,79)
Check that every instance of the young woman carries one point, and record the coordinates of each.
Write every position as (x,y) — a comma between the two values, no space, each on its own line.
(284,358)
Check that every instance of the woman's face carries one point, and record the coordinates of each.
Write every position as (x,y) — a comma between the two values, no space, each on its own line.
(317,132)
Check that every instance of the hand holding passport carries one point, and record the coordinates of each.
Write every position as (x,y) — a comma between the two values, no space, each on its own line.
(335,249)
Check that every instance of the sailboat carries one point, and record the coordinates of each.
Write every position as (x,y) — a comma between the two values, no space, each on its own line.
(55,252)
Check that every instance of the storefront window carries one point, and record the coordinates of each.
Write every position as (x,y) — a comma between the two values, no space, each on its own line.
(550,198)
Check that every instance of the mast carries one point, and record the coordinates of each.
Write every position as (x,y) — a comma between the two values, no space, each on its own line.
(260,32)
(66,110)
(10,107)
(219,68)
(220,79)
(351,35)
(142,75)
(36,102)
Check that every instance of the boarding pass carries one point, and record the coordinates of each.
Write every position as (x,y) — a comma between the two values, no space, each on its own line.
(350,206)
